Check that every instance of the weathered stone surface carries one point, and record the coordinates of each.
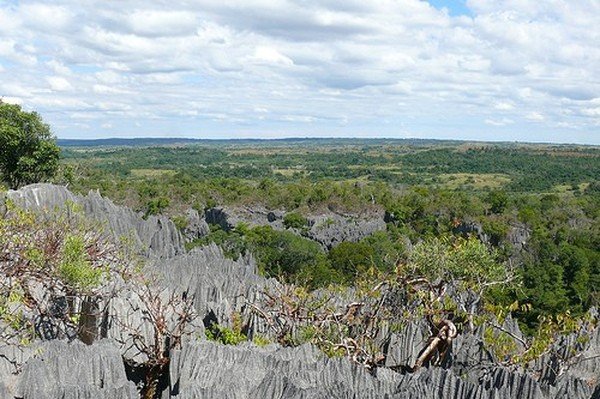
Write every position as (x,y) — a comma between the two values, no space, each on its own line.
(156,236)
(220,286)
(229,217)
(404,347)
(196,226)
(248,371)
(217,371)
(12,356)
(75,371)
(331,229)
(518,235)
(472,228)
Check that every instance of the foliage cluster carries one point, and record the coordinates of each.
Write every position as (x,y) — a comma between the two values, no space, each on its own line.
(57,267)
(413,292)
(537,205)
(296,259)
(28,151)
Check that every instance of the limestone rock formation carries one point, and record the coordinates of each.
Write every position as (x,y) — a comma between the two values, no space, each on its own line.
(229,217)
(331,229)
(222,287)
(196,226)
(156,236)
(75,371)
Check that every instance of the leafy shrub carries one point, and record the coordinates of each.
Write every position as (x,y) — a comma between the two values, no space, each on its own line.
(294,220)
(224,335)
(351,258)
(76,269)
(180,222)
(156,206)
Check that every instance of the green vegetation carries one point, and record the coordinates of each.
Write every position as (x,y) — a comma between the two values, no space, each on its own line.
(517,226)
(281,254)
(53,252)
(76,268)
(225,335)
(537,205)
(28,152)
(294,220)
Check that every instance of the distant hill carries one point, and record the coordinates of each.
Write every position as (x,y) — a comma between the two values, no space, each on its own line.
(121,142)
(306,141)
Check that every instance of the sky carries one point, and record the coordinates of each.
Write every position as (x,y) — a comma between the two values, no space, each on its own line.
(510,70)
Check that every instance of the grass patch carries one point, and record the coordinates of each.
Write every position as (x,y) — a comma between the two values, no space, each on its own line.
(474,180)
(152,172)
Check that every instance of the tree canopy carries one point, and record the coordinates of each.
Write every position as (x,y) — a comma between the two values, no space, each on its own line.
(28,150)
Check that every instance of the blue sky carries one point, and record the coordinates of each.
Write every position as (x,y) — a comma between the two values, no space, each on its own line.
(454,7)
(517,70)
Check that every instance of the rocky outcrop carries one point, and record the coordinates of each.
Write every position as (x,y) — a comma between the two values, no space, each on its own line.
(328,229)
(222,287)
(229,217)
(157,236)
(196,226)
(472,228)
(206,369)
(518,235)
(75,371)
(331,229)
(404,346)
(12,355)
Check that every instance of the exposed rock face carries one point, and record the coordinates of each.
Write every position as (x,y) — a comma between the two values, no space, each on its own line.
(332,229)
(404,347)
(229,217)
(196,226)
(11,356)
(222,287)
(75,371)
(156,236)
(473,228)
(205,369)
(328,229)
(518,236)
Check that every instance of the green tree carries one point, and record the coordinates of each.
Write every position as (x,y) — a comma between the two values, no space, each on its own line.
(156,205)
(28,151)
(294,220)
(498,201)
(350,258)
(284,254)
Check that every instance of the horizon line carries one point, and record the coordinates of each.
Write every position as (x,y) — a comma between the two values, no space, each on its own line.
(273,139)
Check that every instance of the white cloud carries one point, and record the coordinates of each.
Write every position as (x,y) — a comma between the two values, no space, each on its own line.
(58,67)
(103,89)
(58,83)
(159,23)
(535,117)
(270,55)
(369,67)
(499,122)
(504,106)
(12,100)
(38,16)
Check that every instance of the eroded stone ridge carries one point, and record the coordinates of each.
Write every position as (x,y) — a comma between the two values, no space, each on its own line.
(221,287)
(154,236)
